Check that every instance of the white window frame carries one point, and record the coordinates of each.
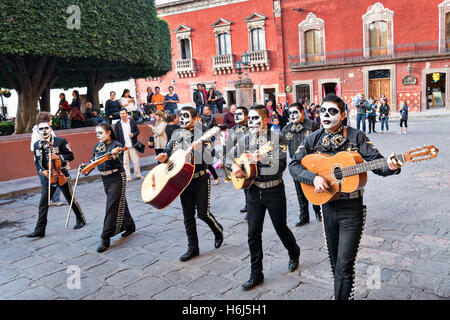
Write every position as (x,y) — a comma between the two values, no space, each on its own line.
(183,32)
(221,26)
(255,21)
(311,23)
(378,12)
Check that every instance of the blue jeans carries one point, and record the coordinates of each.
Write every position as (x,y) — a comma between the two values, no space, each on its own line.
(199,109)
(64,122)
(361,117)
(174,111)
(384,121)
(44,181)
(213,108)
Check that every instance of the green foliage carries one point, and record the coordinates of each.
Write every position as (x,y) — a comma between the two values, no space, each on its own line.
(6,128)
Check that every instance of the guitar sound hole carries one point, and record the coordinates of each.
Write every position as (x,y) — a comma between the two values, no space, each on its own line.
(338,173)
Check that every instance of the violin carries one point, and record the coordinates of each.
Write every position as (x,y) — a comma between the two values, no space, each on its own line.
(55,170)
(88,167)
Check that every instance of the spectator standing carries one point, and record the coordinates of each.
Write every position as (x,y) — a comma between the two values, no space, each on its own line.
(127,102)
(159,132)
(76,117)
(171,125)
(199,99)
(212,100)
(275,124)
(384,115)
(170,101)
(149,107)
(127,132)
(208,118)
(205,93)
(361,110)
(63,111)
(228,119)
(112,107)
(158,99)
(220,100)
(270,109)
(404,117)
(372,115)
(316,116)
(281,115)
(44,116)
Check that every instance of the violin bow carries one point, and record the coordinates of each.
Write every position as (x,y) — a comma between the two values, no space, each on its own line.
(49,172)
(73,195)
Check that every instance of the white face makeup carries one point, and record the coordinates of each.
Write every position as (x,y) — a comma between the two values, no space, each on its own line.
(330,116)
(294,115)
(185,119)
(239,116)
(44,130)
(254,122)
(101,134)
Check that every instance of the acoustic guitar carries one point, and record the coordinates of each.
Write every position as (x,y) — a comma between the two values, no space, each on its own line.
(346,171)
(249,167)
(165,182)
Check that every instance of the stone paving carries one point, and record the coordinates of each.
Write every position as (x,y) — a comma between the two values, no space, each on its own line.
(404,253)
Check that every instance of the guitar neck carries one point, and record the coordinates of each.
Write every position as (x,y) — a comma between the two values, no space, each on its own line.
(368,166)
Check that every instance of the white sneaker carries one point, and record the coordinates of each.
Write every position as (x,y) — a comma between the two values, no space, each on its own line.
(399,132)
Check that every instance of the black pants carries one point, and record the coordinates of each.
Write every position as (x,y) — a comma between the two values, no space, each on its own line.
(117,216)
(344,224)
(303,202)
(197,196)
(402,121)
(66,190)
(274,201)
(372,120)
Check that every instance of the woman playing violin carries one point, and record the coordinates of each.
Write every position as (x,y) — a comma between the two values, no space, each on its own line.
(118,217)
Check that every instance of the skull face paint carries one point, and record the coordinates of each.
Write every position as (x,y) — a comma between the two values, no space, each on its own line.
(255,121)
(239,116)
(330,115)
(185,119)
(44,130)
(101,134)
(295,116)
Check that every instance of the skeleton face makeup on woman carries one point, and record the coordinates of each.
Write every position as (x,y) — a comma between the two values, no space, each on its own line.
(185,119)
(44,130)
(295,116)
(239,116)
(255,122)
(102,135)
(330,115)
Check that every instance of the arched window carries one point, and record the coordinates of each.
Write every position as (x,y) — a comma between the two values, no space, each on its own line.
(224,44)
(378,38)
(313,45)
(258,41)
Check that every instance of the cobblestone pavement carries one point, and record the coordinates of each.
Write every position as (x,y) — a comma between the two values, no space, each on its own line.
(404,253)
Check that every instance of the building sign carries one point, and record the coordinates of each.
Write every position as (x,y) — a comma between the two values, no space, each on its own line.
(409,80)
(288,89)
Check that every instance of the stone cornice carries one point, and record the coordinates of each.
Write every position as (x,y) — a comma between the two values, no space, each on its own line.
(183,6)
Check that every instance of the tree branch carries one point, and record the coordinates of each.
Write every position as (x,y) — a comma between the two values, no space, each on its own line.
(49,73)
(22,72)
(8,76)
(38,70)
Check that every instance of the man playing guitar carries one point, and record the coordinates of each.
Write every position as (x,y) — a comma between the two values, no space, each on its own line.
(197,193)
(343,218)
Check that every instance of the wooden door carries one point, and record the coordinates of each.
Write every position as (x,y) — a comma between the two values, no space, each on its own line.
(377,87)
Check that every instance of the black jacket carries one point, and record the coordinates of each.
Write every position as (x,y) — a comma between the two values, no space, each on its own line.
(209,121)
(295,134)
(119,132)
(60,147)
(322,142)
(199,99)
(113,163)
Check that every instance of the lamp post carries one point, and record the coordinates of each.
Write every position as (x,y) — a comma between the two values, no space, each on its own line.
(7,94)
(244,87)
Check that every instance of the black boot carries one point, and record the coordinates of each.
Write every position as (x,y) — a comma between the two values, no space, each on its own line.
(36,234)
(252,282)
(293,265)
(190,254)
(302,221)
(244,209)
(80,224)
(103,245)
(128,232)
(319,216)
(218,241)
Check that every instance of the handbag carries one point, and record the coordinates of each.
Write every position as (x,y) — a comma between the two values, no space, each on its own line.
(140,147)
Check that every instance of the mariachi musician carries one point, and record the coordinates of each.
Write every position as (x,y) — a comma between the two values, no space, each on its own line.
(235,134)
(343,218)
(58,149)
(117,217)
(295,133)
(197,193)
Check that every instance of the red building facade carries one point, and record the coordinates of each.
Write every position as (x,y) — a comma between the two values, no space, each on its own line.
(307,49)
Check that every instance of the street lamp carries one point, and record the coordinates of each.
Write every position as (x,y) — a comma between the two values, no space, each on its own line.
(4,93)
(243,62)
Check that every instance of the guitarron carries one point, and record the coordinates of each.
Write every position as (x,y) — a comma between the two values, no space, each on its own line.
(346,171)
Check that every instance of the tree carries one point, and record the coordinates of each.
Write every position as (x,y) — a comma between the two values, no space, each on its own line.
(42,45)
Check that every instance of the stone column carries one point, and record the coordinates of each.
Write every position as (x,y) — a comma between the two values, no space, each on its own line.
(244,92)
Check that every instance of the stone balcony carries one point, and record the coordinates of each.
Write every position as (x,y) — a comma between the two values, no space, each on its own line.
(259,60)
(223,64)
(185,68)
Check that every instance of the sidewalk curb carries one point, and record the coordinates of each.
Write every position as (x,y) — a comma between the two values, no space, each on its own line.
(81,180)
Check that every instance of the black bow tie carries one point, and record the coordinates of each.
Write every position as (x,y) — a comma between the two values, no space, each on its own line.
(296,127)
(333,141)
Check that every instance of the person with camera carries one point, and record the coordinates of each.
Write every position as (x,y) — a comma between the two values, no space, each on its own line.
(361,109)
(159,132)
(127,132)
